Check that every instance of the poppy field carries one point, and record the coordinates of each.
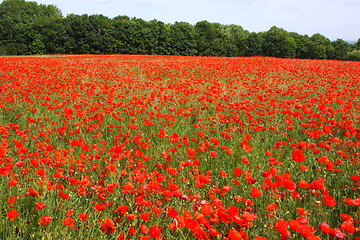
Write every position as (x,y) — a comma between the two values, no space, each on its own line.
(166,147)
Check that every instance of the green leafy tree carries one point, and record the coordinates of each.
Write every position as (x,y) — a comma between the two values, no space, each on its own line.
(206,33)
(302,42)
(18,22)
(133,36)
(182,39)
(89,34)
(141,38)
(230,41)
(279,43)
(253,44)
(223,43)
(27,27)
(50,34)
(159,38)
(353,55)
(76,27)
(341,48)
(357,45)
(319,46)
(239,36)
(100,35)
(123,32)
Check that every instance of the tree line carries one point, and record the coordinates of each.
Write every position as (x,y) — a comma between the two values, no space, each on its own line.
(28,28)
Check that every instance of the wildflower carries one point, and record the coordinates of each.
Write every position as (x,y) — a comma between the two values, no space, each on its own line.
(12,214)
(45,220)
(40,205)
(69,222)
(83,216)
(155,232)
(108,226)
(298,155)
(256,192)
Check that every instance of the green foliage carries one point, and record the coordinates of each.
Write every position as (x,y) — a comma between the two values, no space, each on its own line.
(357,45)
(88,34)
(341,48)
(206,33)
(23,24)
(301,41)
(253,44)
(278,43)
(353,56)
(318,46)
(31,28)
(182,39)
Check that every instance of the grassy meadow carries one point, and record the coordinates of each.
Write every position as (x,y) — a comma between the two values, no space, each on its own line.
(165,147)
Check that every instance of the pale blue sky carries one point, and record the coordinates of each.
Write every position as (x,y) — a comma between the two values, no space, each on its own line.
(331,18)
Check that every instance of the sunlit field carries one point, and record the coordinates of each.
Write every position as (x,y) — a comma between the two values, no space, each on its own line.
(165,147)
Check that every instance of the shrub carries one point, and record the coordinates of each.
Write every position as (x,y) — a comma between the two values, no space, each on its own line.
(353,56)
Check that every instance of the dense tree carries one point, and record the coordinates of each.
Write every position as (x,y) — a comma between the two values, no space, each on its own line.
(318,46)
(239,37)
(341,48)
(30,28)
(53,34)
(301,42)
(141,39)
(230,40)
(19,26)
(100,34)
(357,45)
(182,39)
(159,38)
(353,56)
(123,35)
(76,27)
(223,43)
(278,43)
(206,33)
(253,44)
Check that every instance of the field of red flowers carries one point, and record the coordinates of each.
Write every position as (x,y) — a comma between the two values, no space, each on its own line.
(165,147)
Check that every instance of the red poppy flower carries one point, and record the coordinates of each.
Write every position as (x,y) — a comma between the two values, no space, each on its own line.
(40,205)
(302,211)
(122,209)
(298,155)
(289,184)
(172,212)
(237,172)
(145,216)
(272,207)
(329,200)
(64,195)
(12,200)
(155,232)
(256,192)
(83,216)
(100,207)
(45,220)
(69,222)
(32,192)
(12,214)
(132,230)
(282,225)
(213,154)
(233,234)
(131,217)
(348,226)
(108,226)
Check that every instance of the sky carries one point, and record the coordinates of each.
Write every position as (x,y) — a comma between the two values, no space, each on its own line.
(332,18)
